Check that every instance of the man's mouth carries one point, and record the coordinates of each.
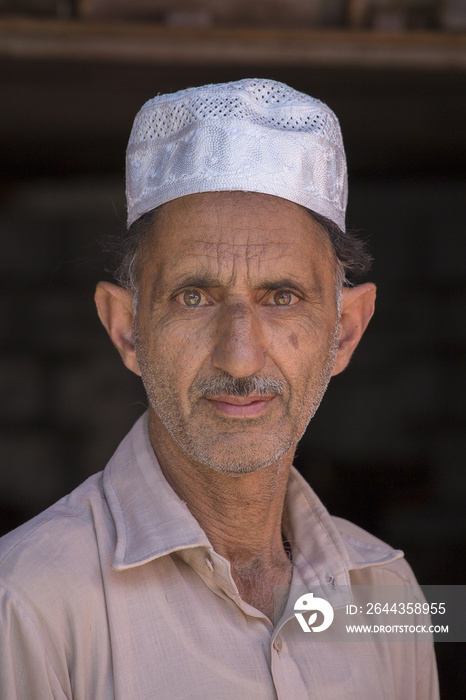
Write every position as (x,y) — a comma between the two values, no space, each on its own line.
(241,406)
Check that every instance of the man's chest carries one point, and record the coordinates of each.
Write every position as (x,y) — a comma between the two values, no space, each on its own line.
(169,635)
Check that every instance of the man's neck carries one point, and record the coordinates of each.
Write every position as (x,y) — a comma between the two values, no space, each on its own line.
(240,514)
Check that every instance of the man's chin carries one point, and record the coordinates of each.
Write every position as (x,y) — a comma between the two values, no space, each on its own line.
(230,446)
(238,458)
(236,469)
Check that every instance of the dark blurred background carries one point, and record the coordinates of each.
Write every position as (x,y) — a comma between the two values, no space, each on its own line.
(387,448)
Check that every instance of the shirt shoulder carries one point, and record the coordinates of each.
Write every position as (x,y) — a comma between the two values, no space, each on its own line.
(373,560)
(39,552)
(52,599)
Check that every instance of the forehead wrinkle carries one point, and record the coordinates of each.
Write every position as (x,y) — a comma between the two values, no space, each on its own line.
(215,258)
(171,272)
(203,266)
(232,253)
(255,261)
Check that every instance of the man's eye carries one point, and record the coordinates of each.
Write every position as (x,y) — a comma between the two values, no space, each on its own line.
(192,298)
(283,298)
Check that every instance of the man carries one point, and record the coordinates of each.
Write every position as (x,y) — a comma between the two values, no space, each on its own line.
(173,574)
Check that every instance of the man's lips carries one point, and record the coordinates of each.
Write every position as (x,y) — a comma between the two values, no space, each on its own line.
(241,406)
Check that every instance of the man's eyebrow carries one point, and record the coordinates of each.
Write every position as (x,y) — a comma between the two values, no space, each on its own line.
(289,283)
(199,280)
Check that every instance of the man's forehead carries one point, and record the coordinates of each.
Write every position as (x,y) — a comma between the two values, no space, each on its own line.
(220,235)
(237,206)
(238,243)
(236,219)
(222,263)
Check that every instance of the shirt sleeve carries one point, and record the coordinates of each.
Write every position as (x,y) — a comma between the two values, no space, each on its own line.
(427,685)
(25,670)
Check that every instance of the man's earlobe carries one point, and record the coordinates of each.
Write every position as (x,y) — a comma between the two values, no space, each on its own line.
(356,312)
(115,309)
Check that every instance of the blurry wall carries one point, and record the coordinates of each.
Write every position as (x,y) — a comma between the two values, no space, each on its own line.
(388,444)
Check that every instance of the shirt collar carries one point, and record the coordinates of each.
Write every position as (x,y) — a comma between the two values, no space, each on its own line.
(325,549)
(152,521)
(149,517)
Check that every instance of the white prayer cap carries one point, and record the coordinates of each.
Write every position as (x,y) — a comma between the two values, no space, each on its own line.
(253,135)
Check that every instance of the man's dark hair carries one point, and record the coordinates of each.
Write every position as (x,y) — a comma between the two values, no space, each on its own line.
(350,251)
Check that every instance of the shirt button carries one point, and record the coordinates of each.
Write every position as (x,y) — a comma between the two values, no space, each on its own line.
(210,564)
(277,645)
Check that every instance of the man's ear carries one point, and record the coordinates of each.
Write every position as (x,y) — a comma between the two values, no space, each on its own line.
(115,309)
(356,312)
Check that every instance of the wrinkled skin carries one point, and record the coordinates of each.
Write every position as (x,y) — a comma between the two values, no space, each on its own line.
(238,285)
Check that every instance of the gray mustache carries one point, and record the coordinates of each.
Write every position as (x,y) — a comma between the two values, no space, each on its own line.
(243,386)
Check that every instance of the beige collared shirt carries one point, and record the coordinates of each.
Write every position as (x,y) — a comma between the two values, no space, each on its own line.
(116,592)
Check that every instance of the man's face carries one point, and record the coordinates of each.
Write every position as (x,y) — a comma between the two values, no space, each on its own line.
(236,326)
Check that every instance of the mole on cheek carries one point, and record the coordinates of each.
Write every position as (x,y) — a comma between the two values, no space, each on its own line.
(293,340)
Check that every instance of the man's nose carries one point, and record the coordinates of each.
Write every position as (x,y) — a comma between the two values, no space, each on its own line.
(239,347)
